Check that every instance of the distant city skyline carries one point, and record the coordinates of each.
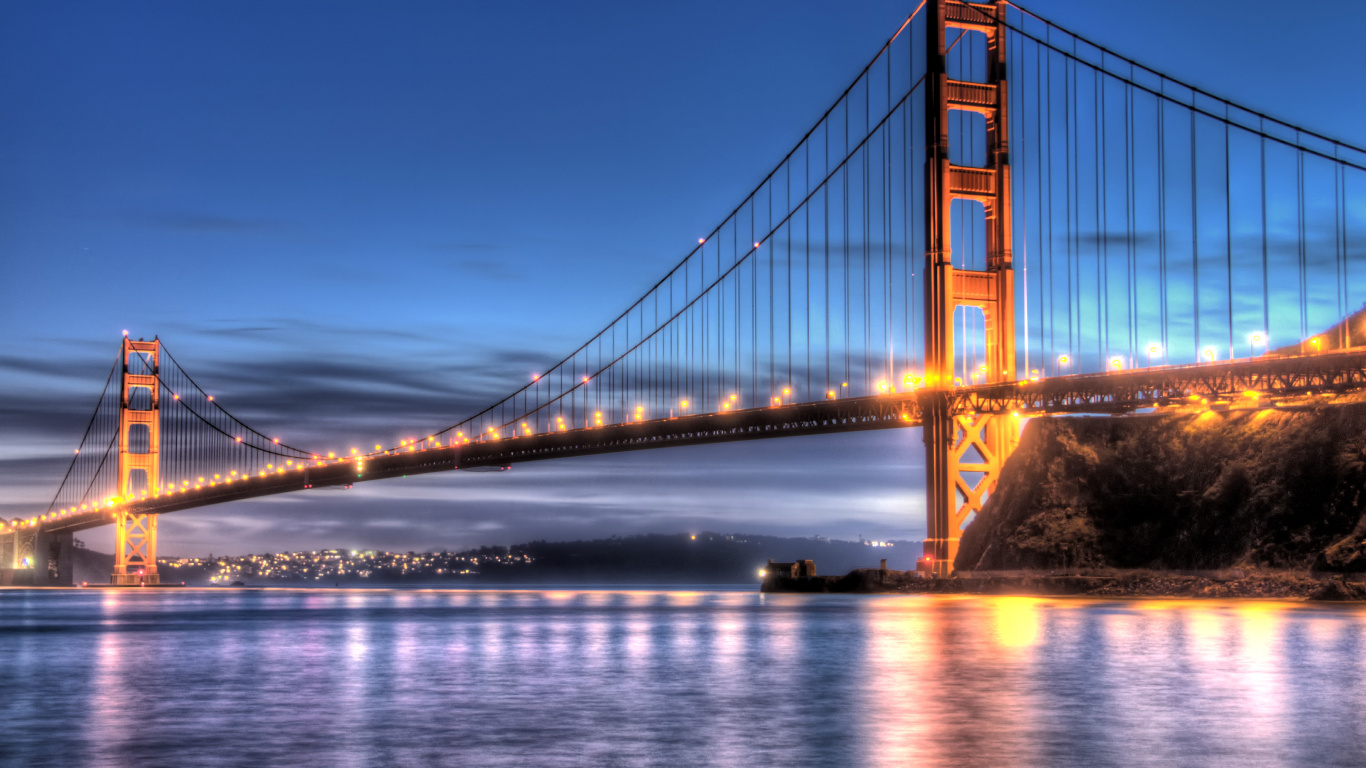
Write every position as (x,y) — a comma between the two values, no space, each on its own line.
(354,223)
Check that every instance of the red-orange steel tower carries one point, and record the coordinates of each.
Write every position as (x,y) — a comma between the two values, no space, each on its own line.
(135,536)
(965,452)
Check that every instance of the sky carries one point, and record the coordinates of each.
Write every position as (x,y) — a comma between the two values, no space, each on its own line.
(355,221)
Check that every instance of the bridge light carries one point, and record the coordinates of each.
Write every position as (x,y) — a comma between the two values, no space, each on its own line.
(585,379)
(733,398)
(175,397)
(701,240)
(983,369)
(1117,363)
(756,245)
(1209,353)
(1063,359)
(535,377)
(275,440)
(125,333)
(830,395)
(215,477)
(211,398)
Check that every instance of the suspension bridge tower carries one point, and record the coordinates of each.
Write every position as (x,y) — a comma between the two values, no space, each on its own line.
(135,535)
(965,452)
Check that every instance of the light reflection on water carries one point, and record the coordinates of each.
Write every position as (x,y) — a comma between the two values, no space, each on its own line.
(568,677)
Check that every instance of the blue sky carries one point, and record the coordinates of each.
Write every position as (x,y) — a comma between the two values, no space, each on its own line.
(354,221)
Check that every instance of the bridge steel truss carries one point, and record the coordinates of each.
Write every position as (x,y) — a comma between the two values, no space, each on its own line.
(971,408)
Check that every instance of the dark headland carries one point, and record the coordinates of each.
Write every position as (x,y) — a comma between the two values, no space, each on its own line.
(1263,500)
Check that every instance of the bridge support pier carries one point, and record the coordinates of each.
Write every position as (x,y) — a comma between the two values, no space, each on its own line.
(36,558)
(964,456)
(135,550)
(54,563)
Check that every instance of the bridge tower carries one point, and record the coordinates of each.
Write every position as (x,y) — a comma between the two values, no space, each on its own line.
(135,536)
(965,452)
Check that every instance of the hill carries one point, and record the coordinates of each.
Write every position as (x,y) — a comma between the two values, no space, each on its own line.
(1272,487)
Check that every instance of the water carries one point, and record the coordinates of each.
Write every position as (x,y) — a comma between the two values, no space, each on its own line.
(671,678)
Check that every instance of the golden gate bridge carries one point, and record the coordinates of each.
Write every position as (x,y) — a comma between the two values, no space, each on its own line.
(996,220)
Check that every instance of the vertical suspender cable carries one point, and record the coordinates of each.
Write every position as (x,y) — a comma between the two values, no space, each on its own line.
(1228,230)
(1195,233)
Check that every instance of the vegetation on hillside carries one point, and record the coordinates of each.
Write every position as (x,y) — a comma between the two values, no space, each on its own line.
(1279,488)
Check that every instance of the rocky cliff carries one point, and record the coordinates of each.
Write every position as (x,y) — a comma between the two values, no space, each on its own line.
(1274,487)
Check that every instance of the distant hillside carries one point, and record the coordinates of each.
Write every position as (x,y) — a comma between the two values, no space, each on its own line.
(705,558)
(1270,488)
(678,558)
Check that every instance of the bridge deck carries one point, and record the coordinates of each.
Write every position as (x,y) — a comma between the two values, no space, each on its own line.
(1123,392)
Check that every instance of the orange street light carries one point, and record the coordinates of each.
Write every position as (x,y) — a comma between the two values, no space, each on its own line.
(1209,353)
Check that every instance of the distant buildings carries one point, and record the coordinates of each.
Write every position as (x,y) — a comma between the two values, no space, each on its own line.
(339,564)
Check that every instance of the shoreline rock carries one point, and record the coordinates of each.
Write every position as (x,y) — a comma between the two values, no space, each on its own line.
(1279,585)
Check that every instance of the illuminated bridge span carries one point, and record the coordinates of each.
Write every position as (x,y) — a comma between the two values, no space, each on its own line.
(997,219)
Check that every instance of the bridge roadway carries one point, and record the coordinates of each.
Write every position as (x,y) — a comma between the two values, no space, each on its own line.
(1112,393)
